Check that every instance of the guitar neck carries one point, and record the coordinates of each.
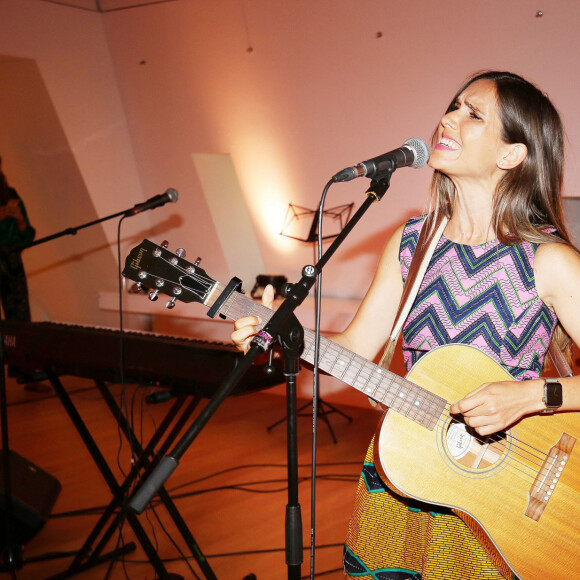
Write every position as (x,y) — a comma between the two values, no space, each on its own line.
(382,385)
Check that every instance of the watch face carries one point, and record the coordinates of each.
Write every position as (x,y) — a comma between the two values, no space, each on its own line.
(552,394)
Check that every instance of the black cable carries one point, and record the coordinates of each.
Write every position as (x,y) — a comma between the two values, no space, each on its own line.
(148,511)
(253,553)
(98,510)
(230,470)
(170,538)
(244,553)
(244,485)
(122,396)
(129,410)
(316,383)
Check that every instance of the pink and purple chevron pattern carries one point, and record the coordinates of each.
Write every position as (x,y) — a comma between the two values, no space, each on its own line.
(484,296)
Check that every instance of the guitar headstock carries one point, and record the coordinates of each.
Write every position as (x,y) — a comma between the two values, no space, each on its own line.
(164,272)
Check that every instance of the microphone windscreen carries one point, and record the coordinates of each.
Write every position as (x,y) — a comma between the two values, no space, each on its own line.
(172,194)
(420,149)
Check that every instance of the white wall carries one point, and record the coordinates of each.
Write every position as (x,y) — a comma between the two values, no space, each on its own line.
(320,91)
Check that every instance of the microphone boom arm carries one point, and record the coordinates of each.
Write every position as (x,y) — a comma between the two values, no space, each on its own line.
(73,231)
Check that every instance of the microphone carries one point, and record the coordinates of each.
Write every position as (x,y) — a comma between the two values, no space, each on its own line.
(413,152)
(156,201)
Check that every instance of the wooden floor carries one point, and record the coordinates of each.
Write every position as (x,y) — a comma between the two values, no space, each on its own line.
(230,486)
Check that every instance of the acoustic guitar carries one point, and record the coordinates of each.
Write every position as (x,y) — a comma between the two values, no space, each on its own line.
(519,486)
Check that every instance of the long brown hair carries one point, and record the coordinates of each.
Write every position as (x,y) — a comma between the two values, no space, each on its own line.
(527,203)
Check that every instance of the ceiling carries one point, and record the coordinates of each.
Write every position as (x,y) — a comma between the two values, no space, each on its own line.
(106,5)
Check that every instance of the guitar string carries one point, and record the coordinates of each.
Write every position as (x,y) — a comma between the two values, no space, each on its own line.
(545,477)
(264,313)
(535,454)
(429,397)
(534,467)
(526,452)
(531,458)
(232,311)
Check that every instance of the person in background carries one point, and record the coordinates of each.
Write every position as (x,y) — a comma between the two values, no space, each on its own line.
(16,232)
(504,278)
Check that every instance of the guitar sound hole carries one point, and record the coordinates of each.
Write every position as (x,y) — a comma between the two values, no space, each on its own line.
(471,450)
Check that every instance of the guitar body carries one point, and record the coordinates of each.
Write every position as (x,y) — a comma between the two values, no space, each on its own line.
(504,483)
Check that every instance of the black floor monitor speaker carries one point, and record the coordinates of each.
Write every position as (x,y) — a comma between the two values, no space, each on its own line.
(34,493)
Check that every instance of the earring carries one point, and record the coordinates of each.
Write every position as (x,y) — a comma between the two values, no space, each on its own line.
(500,162)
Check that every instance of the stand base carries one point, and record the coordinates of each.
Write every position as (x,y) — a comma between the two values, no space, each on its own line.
(323,410)
(11,559)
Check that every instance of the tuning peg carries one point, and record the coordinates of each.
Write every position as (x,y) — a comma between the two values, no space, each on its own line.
(191,269)
(157,251)
(170,304)
(180,252)
(153,295)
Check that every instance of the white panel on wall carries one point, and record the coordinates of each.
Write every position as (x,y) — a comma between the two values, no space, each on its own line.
(572,214)
(230,216)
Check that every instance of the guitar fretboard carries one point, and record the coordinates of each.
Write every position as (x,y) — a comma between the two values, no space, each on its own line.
(382,385)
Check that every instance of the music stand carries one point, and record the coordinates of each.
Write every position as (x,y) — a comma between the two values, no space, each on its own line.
(301,224)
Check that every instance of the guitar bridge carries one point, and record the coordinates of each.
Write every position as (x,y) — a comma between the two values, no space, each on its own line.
(548,476)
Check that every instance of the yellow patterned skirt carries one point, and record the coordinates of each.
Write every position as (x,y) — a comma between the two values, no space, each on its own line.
(390,538)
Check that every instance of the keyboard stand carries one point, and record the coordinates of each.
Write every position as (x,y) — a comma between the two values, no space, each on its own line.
(90,555)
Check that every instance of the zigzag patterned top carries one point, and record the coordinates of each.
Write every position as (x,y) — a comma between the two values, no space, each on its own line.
(480,295)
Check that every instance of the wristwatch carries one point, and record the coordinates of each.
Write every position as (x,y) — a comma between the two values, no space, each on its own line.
(552,396)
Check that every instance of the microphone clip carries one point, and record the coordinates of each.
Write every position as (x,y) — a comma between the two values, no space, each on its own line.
(379,185)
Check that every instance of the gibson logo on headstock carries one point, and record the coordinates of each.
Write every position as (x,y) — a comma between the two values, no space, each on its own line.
(136,262)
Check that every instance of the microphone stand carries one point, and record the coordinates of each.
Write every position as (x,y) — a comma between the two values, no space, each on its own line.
(284,327)
(11,557)
(73,231)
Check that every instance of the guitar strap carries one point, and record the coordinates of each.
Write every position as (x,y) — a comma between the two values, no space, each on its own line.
(559,360)
(421,258)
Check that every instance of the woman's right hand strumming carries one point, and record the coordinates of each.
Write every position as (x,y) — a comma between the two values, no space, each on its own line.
(245,327)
